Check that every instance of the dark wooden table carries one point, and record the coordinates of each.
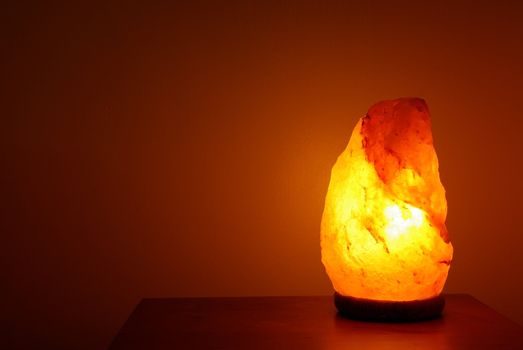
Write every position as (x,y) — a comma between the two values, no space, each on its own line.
(307,323)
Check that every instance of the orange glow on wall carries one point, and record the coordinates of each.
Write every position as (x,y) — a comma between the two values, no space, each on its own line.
(383,234)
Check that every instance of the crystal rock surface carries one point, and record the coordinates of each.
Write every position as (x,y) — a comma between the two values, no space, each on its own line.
(383,234)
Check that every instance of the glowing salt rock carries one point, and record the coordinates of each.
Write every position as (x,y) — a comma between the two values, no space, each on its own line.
(383,234)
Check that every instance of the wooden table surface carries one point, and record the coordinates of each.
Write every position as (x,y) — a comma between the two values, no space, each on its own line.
(307,323)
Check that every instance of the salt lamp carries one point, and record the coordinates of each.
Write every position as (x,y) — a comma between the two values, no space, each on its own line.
(384,243)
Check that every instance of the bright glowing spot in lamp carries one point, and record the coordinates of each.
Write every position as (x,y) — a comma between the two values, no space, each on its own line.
(401,220)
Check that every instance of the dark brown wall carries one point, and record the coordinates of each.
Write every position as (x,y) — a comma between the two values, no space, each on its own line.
(174,150)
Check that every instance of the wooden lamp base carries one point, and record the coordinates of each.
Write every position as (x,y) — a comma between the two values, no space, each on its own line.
(389,311)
